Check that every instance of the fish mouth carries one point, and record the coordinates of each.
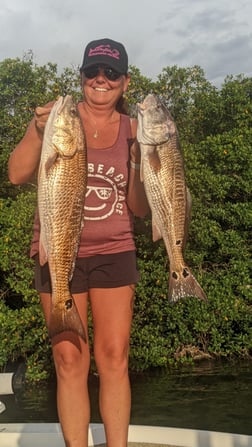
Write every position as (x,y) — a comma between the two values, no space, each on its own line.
(150,102)
(141,106)
(61,103)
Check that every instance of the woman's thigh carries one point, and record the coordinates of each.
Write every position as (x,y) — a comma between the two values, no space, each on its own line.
(112,311)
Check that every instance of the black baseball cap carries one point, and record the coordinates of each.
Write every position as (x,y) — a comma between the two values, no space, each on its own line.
(106,52)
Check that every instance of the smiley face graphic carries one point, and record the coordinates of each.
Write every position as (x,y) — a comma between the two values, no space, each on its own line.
(102,197)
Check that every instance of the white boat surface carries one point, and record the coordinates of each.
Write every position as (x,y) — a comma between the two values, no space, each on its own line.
(49,435)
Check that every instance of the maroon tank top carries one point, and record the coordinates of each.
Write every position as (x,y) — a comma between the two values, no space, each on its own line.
(108,222)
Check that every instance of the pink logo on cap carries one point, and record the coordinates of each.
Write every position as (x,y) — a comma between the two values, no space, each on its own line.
(104,50)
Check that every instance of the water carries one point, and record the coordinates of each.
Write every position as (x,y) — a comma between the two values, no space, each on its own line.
(208,397)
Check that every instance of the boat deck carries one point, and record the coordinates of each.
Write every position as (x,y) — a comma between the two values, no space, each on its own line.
(44,435)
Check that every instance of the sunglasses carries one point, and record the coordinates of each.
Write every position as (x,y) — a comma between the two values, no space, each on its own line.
(109,73)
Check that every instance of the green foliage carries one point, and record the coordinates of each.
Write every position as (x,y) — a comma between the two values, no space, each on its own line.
(179,89)
(216,137)
(16,226)
(23,86)
(21,321)
(138,88)
(165,334)
(236,113)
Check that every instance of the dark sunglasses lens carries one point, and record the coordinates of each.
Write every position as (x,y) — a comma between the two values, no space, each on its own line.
(111,74)
(93,71)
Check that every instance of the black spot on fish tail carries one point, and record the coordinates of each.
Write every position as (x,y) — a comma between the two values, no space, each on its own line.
(185,273)
(69,304)
(184,284)
(66,319)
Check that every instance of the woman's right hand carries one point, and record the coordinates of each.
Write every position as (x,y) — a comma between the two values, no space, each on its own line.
(41,116)
(24,159)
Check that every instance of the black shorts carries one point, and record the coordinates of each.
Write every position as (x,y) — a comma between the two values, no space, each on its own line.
(100,271)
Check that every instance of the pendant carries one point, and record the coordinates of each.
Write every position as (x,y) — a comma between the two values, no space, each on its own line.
(95,134)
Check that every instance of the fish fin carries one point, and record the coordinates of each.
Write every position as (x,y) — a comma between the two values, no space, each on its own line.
(182,285)
(171,126)
(65,320)
(156,233)
(43,258)
(154,160)
(187,217)
(50,161)
(141,170)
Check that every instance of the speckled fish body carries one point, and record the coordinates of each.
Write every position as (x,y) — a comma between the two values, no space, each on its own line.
(162,171)
(61,192)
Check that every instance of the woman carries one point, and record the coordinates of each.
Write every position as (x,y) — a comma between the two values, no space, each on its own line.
(105,271)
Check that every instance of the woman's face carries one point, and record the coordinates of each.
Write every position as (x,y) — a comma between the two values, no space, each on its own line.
(101,90)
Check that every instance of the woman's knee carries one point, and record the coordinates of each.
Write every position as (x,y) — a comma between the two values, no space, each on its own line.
(112,357)
(70,359)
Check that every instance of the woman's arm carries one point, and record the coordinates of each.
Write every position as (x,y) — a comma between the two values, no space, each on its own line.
(24,159)
(136,198)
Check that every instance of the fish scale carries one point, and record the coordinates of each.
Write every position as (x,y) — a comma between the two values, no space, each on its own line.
(162,172)
(160,190)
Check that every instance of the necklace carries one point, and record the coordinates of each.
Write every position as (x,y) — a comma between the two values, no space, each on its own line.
(96,132)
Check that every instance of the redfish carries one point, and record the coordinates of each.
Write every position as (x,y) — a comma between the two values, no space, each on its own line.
(162,172)
(62,182)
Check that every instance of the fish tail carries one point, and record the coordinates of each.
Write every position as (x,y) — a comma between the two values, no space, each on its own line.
(66,319)
(184,284)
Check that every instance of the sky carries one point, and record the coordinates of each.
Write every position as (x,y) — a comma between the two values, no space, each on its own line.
(214,34)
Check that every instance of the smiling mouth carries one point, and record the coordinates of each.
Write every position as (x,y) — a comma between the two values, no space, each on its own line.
(101,89)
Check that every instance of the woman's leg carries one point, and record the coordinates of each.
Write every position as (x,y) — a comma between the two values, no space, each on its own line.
(71,359)
(112,315)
